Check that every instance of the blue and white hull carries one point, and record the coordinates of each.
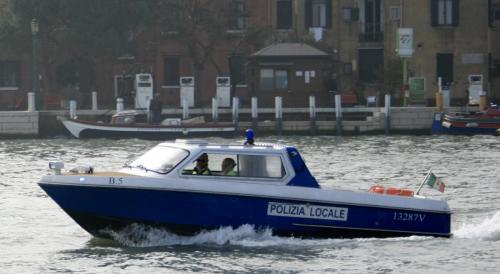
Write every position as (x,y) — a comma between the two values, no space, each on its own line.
(100,203)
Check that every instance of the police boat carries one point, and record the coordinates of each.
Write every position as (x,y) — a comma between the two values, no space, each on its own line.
(183,186)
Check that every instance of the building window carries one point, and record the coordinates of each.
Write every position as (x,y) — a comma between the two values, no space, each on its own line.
(372,27)
(444,66)
(394,13)
(494,19)
(10,72)
(237,18)
(371,65)
(284,14)
(444,12)
(237,67)
(495,68)
(281,79)
(350,14)
(171,71)
(273,79)
(318,13)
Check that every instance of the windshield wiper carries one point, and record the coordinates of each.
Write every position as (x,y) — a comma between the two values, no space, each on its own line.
(145,169)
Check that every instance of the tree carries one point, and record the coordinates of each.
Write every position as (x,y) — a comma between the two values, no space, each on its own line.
(74,34)
(202,26)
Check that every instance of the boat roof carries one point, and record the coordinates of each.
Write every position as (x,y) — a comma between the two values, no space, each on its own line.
(196,143)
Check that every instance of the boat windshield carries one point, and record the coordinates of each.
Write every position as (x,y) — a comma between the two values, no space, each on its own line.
(160,159)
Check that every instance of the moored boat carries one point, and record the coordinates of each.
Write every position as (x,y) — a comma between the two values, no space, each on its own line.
(468,123)
(123,125)
(269,187)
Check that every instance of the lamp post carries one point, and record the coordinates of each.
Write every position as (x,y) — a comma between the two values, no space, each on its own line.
(35,84)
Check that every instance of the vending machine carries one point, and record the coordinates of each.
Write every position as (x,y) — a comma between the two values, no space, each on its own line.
(143,90)
(187,90)
(475,88)
(223,85)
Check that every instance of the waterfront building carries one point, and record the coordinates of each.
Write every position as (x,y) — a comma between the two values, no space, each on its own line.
(357,39)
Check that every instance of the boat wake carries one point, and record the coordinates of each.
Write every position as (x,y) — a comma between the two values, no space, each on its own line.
(137,235)
(489,229)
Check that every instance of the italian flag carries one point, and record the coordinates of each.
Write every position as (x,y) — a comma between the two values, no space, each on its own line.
(435,182)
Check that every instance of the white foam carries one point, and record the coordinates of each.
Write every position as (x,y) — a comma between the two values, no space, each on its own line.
(245,235)
(489,229)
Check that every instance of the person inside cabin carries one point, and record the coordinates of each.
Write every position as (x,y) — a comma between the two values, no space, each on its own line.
(201,167)
(155,109)
(228,165)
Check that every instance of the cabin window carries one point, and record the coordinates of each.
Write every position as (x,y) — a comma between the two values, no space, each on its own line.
(255,166)
(261,166)
(217,164)
(160,159)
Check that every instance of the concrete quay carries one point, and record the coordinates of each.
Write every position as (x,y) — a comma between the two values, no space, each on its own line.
(19,124)
(355,120)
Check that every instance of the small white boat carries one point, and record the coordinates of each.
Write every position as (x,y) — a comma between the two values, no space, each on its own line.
(270,187)
(123,125)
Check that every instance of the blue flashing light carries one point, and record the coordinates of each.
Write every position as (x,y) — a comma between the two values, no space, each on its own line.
(249,135)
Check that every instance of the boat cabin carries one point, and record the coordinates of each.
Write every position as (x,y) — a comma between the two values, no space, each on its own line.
(260,163)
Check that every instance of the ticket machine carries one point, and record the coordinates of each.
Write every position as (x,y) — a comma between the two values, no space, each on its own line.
(223,91)
(143,90)
(187,90)
(475,88)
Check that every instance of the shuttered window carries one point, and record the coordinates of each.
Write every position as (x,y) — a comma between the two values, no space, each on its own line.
(444,12)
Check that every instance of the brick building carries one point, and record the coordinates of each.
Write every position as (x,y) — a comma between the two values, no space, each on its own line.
(452,39)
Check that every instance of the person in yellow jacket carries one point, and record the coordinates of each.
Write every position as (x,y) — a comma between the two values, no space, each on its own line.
(228,165)
(201,167)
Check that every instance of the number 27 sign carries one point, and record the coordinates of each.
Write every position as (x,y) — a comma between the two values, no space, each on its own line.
(405,42)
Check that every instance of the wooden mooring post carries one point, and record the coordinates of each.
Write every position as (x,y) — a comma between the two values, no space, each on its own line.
(312,114)
(31,101)
(255,113)
(387,111)
(72,109)
(185,109)
(215,109)
(278,108)
(235,112)
(94,100)
(338,114)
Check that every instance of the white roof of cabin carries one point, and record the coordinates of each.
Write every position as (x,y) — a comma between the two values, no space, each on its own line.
(192,144)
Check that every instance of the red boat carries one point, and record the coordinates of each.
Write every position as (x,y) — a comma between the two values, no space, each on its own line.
(480,122)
